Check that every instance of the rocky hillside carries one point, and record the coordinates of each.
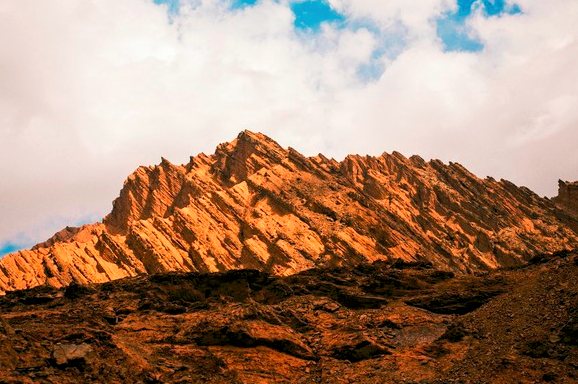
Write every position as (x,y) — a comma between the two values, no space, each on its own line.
(253,204)
(373,323)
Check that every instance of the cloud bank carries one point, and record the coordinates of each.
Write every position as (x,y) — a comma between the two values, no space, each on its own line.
(90,90)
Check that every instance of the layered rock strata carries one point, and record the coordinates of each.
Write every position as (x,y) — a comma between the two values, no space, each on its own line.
(253,204)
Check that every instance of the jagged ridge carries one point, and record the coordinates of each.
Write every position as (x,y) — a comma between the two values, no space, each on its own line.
(254,204)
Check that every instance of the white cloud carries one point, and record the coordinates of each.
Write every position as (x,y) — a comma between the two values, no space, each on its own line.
(90,90)
(416,15)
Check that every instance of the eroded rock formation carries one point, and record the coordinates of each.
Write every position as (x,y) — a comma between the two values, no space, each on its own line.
(254,204)
(567,197)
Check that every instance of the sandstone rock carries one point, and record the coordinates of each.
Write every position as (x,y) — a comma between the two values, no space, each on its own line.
(254,204)
(354,300)
(331,307)
(255,333)
(359,349)
(72,354)
(457,301)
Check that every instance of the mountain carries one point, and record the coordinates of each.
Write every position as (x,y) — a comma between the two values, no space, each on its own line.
(385,322)
(253,204)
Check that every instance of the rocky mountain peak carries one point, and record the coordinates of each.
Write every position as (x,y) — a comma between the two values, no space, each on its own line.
(245,155)
(254,204)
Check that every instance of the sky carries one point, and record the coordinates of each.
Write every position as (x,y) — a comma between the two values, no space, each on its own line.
(90,90)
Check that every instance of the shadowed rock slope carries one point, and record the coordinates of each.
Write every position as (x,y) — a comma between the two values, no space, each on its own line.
(567,197)
(373,323)
(253,204)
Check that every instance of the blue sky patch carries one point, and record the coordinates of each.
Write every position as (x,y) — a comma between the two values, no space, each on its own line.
(455,36)
(309,15)
(490,7)
(7,248)
(26,241)
(390,44)
(240,4)
(372,70)
(452,30)
(172,4)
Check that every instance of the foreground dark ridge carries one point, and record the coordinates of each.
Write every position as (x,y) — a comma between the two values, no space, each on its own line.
(254,204)
(373,323)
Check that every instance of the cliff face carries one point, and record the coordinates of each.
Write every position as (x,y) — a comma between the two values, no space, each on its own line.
(254,204)
(567,197)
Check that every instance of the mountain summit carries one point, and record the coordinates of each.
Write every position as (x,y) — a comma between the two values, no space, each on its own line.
(254,204)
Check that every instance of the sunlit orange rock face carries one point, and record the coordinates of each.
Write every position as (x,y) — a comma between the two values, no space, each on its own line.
(253,204)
